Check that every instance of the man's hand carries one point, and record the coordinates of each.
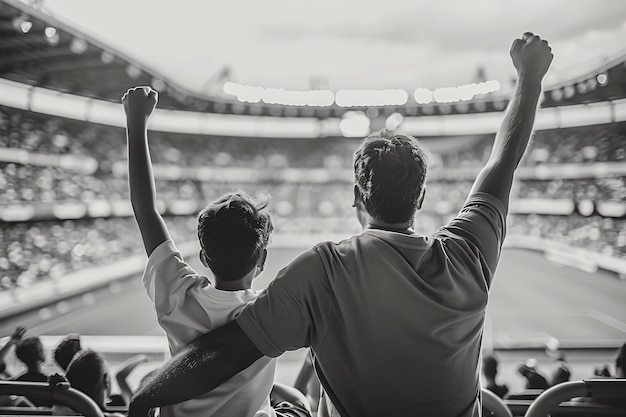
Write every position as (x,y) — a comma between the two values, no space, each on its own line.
(139,102)
(531,56)
(17,334)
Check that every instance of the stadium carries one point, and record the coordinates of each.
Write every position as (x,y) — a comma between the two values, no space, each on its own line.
(71,257)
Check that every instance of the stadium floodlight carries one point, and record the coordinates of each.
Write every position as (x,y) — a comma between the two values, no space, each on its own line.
(354,124)
(22,23)
(78,45)
(603,79)
(159,85)
(133,71)
(569,91)
(50,31)
(107,57)
(52,35)
(394,121)
(556,94)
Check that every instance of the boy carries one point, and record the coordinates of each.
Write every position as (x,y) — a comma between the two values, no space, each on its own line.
(233,232)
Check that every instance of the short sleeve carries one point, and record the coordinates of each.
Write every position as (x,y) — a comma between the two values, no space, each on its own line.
(293,311)
(163,277)
(482,223)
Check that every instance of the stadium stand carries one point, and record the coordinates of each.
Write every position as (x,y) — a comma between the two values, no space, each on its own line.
(64,197)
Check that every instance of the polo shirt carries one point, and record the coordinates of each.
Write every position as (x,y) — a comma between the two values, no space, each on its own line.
(395,321)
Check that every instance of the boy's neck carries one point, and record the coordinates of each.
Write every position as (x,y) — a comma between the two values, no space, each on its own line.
(244,283)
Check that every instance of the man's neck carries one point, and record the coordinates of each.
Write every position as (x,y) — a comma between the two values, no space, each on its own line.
(406,228)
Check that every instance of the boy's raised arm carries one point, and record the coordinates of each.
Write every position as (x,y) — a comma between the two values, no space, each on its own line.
(139,102)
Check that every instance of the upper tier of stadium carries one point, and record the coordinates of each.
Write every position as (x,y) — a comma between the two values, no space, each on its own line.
(39,51)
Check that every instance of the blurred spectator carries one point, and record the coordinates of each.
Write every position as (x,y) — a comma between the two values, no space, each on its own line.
(14,339)
(562,373)
(490,371)
(534,380)
(88,373)
(121,376)
(30,352)
(66,350)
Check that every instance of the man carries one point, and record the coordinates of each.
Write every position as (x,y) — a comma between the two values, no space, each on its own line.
(393,318)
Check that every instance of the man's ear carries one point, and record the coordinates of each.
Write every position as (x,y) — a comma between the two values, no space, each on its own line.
(203,259)
(357,197)
(420,199)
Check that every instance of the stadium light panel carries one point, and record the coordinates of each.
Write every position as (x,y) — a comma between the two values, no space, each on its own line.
(603,79)
(423,95)
(368,98)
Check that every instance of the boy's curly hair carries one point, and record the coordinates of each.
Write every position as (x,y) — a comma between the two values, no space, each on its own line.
(233,232)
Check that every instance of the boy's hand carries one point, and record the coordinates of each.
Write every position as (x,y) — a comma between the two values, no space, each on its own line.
(139,102)
(531,56)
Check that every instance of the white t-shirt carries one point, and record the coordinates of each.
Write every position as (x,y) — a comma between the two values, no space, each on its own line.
(188,305)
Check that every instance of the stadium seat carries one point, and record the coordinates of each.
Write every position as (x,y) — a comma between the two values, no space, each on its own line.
(58,394)
(495,405)
(601,397)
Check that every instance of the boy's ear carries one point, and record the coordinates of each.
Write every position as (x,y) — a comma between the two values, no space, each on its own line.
(420,199)
(262,260)
(203,259)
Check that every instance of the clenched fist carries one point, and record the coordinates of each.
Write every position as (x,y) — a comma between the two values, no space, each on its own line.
(139,102)
(531,56)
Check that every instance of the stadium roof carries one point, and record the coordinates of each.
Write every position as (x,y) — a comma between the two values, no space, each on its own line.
(40,50)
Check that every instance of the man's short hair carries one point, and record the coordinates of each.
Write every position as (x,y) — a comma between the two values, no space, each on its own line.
(66,350)
(86,372)
(390,173)
(233,232)
(29,350)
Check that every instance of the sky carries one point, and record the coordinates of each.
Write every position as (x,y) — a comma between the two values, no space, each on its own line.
(340,44)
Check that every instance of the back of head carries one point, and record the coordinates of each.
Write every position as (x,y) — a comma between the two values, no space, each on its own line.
(29,351)
(390,173)
(87,373)
(234,230)
(66,350)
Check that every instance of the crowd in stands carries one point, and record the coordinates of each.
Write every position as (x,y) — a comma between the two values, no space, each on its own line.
(40,249)
(604,235)
(87,371)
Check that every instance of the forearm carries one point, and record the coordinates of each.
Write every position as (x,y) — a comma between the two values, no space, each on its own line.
(204,364)
(140,176)
(514,133)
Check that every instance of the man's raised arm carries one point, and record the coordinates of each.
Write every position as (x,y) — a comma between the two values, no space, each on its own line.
(139,102)
(531,57)
(204,364)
